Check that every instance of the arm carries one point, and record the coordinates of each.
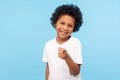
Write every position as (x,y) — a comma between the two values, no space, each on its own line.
(73,67)
(47,71)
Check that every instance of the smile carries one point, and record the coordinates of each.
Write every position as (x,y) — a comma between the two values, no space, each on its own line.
(63,32)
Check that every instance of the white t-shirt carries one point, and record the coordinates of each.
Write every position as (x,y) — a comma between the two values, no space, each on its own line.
(57,67)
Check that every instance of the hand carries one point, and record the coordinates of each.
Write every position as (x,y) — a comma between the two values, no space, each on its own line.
(62,53)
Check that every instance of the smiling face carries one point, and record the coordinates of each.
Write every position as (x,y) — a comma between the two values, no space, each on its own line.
(64,27)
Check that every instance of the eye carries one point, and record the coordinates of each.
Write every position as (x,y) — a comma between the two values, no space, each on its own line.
(62,23)
(71,26)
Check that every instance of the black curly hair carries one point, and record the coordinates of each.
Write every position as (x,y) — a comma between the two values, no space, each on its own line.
(71,10)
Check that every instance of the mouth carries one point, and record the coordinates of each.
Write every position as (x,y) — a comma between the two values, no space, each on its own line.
(64,33)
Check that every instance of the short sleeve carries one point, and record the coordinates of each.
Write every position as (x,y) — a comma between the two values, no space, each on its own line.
(78,52)
(44,58)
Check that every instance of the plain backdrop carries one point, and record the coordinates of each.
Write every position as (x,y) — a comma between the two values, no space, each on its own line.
(25,27)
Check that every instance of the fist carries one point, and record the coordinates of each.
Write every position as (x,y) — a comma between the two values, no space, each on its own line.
(62,53)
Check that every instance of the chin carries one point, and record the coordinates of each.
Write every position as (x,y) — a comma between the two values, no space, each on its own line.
(64,37)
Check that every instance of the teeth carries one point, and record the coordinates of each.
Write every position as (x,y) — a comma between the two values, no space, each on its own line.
(63,32)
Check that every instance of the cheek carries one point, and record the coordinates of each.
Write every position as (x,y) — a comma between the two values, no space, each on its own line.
(72,29)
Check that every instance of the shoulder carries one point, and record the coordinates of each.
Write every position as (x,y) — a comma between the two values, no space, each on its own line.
(50,42)
(76,40)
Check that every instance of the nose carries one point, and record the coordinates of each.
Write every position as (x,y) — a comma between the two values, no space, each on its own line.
(65,27)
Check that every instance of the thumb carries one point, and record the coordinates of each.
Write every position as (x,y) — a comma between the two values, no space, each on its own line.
(60,50)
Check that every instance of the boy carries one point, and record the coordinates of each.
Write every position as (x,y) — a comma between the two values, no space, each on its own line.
(63,53)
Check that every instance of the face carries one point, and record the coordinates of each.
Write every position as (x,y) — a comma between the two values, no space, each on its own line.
(64,26)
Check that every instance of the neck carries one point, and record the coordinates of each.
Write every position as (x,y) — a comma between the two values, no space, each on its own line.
(61,41)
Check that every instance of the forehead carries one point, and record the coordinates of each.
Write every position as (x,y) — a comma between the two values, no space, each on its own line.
(67,18)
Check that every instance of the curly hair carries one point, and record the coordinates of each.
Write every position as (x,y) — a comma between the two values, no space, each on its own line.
(71,10)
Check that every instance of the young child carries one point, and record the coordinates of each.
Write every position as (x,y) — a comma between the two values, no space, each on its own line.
(63,53)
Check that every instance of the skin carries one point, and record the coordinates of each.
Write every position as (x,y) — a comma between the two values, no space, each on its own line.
(64,28)
(47,71)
